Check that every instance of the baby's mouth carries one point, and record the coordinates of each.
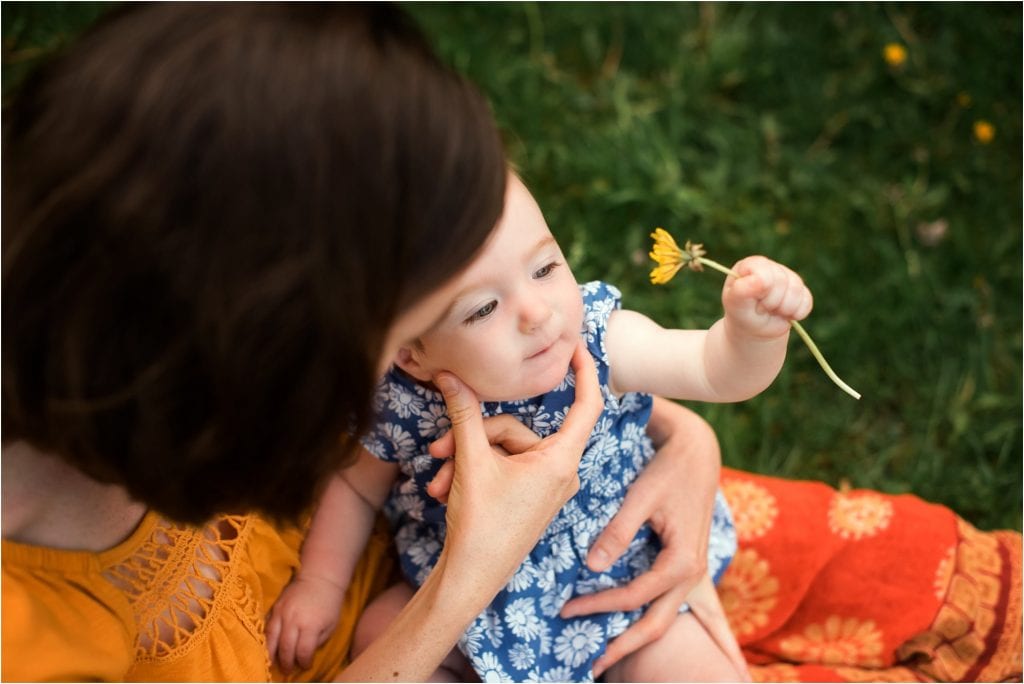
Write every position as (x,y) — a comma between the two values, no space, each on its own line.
(542,350)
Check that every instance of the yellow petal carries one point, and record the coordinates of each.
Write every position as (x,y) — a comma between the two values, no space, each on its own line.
(664,273)
(667,255)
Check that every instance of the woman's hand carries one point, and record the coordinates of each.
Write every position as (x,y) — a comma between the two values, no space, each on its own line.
(675,494)
(498,506)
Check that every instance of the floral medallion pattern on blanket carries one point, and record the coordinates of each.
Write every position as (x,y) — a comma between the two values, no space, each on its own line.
(853,585)
(520,636)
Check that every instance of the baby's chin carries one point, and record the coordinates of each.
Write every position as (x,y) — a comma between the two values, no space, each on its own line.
(533,386)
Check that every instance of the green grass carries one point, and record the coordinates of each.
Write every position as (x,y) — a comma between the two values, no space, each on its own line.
(780,129)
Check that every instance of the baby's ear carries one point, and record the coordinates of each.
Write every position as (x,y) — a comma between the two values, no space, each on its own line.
(408,359)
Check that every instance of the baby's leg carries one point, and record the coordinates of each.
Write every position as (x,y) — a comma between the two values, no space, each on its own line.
(685,653)
(380,613)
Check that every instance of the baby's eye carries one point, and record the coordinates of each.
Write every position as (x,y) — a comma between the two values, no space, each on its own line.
(483,312)
(545,271)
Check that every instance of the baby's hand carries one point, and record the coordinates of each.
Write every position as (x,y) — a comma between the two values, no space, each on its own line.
(303,617)
(765,298)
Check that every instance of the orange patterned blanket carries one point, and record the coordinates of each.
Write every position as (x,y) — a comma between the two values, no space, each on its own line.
(855,585)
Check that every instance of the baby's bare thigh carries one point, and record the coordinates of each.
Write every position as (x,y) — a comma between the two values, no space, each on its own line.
(685,653)
(382,611)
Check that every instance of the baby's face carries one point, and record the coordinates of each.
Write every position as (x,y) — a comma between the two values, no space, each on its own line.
(510,329)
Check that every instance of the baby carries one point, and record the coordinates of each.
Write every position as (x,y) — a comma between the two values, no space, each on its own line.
(509,333)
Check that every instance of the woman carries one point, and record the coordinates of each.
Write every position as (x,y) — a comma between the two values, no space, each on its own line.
(215,220)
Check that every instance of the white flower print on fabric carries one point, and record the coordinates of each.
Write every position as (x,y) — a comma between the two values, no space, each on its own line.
(594,584)
(551,602)
(522,619)
(380,397)
(490,669)
(722,542)
(568,383)
(403,401)
(592,463)
(543,423)
(578,642)
(547,641)
(424,551)
(433,421)
(412,504)
(493,629)
(472,639)
(562,553)
(521,634)
(632,440)
(617,624)
(556,674)
(630,402)
(399,439)
(546,579)
(521,656)
(608,486)
(524,578)
(422,462)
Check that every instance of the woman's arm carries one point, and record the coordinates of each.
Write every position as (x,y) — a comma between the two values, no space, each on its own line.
(498,506)
(675,494)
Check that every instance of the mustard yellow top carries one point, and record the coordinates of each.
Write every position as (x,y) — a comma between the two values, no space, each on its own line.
(170,603)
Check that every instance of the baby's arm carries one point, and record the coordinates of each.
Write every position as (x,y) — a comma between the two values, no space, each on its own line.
(307,611)
(738,357)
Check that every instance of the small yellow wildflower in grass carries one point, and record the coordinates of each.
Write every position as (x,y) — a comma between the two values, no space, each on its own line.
(671,258)
(984,132)
(895,54)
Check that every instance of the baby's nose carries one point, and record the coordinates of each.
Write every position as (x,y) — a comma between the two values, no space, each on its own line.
(534,314)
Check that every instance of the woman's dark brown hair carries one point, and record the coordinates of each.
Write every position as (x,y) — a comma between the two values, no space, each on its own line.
(212,214)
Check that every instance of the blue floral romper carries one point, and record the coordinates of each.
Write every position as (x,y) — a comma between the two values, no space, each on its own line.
(520,636)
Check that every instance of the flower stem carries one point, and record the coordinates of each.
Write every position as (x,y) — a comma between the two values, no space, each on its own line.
(710,263)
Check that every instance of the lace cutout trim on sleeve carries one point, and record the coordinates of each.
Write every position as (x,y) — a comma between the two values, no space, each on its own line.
(174,581)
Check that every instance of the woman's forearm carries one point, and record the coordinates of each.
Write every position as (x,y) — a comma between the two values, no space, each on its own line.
(415,643)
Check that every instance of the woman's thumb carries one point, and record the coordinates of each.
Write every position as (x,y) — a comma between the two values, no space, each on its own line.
(463,411)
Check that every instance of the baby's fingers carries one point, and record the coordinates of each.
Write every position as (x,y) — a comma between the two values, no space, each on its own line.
(306,646)
(273,634)
(286,648)
(786,295)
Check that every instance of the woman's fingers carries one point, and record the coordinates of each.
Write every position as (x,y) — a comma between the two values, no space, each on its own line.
(463,411)
(707,608)
(587,406)
(504,432)
(655,622)
(615,538)
(442,482)
(666,577)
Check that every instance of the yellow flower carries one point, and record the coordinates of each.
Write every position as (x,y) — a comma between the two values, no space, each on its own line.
(895,54)
(670,258)
(984,131)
